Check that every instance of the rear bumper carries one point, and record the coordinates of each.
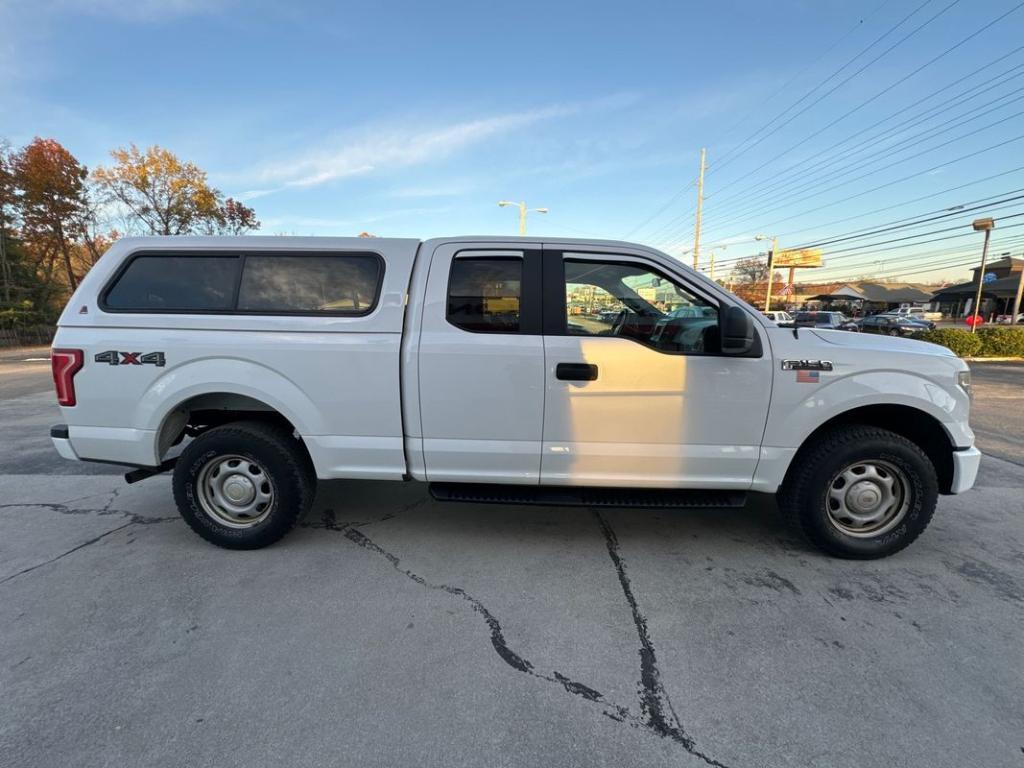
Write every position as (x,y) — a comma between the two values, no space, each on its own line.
(59,436)
(965,469)
(110,445)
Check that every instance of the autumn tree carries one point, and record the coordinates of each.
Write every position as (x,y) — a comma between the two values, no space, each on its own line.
(7,207)
(235,218)
(163,195)
(52,201)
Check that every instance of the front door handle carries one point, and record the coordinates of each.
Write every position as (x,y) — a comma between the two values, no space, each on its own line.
(576,372)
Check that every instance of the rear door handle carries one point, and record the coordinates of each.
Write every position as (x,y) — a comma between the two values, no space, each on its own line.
(576,372)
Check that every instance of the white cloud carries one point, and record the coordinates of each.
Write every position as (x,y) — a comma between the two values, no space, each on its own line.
(374,149)
(144,11)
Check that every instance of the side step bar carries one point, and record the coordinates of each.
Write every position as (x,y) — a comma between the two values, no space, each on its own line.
(141,473)
(551,495)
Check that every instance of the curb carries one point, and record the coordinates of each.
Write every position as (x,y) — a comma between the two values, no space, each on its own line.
(993,359)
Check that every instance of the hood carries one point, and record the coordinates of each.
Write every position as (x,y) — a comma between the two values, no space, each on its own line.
(877,342)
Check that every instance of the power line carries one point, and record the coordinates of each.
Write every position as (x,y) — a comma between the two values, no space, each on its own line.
(893,226)
(888,88)
(899,223)
(905,203)
(828,93)
(802,72)
(900,180)
(731,129)
(798,193)
(660,211)
(916,200)
(795,170)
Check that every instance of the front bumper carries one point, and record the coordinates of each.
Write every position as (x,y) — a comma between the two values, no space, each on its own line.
(59,436)
(965,469)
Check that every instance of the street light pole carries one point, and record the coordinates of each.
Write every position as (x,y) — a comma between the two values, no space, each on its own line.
(986,226)
(522,213)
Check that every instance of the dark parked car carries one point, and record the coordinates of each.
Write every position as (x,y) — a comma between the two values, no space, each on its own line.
(894,325)
(836,321)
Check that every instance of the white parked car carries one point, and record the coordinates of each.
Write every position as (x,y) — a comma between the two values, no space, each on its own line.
(256,366)
(913,313)
(1008,319)
(778,316)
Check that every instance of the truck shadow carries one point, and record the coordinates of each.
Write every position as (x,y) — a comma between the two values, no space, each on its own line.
(368,503)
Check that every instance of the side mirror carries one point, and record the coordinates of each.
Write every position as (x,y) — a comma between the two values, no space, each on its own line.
(737,332)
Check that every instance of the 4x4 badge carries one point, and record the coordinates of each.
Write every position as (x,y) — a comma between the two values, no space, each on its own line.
(113,357)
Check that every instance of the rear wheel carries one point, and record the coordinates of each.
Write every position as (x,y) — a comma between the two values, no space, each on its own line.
(860,492)
(243,485)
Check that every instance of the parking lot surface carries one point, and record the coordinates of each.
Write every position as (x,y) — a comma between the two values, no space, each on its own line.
(392,630)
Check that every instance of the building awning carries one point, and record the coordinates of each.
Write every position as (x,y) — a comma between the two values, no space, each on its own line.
(1004,287)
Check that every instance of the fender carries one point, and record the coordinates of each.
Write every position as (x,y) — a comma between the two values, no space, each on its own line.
(795,413)
(233,376)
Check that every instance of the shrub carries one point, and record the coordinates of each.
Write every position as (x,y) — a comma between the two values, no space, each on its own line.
(1001,342)
(962,343)
(987,342)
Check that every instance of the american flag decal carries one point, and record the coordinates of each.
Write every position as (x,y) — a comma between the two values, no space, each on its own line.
(806,377)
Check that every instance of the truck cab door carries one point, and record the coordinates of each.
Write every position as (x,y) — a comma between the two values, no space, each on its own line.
(480,364)
(638,391)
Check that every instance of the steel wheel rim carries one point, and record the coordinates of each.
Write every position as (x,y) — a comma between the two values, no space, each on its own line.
(867,498)
(235,491)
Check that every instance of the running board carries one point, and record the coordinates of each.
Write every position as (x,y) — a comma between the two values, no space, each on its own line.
(552,495)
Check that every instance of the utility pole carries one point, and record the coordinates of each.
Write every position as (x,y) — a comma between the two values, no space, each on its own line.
(522,213)
(985,225)
(712,266)
(771,265)
(700,210)
(1020,292)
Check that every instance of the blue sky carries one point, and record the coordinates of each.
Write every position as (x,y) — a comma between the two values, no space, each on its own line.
(414,118)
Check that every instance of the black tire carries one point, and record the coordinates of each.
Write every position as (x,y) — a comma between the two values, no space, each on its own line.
(804,496)
(274,454)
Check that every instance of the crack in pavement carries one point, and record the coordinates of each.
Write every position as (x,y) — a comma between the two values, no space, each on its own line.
(83,545)
(63,509)
(655,703)
(654,699)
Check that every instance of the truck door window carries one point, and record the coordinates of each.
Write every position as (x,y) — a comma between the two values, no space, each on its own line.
(484,294)
(629,300)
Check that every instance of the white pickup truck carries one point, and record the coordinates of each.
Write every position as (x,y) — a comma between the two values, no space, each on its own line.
(502,370)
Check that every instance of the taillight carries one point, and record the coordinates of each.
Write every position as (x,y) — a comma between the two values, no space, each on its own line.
(65,364)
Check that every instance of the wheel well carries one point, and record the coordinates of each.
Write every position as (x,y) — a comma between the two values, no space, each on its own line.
(918,427)
(194,416)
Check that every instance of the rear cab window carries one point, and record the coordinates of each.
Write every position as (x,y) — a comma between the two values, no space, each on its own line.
(259,283)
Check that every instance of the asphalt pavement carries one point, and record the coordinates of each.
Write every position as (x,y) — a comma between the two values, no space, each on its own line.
(391,630)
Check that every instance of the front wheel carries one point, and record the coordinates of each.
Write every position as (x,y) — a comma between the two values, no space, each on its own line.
(243,485)
(860,492)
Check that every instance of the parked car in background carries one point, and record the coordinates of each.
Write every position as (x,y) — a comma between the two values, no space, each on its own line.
(779,317)
(835,321)
(914,313)
(894,325)
(1008,319)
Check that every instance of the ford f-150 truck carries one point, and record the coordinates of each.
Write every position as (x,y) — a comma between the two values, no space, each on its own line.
(524,370)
